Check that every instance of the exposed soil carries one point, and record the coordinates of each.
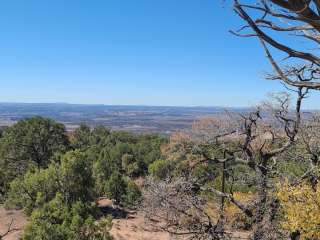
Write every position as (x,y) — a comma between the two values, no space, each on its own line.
(134,227)
(128,225)
(18,220)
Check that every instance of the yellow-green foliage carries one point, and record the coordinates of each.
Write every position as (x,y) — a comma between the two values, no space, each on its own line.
(301,208)
(234,216)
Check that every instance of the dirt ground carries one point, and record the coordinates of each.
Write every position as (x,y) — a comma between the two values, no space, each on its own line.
(135,228)
(131,227)
(18,222)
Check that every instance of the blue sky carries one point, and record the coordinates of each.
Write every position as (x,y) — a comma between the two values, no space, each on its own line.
(148,52)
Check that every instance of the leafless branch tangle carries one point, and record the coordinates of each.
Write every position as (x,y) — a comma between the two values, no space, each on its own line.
(298,18)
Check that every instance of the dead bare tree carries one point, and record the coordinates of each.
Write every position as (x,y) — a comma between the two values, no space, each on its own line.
(176,207)
(253,139)
(272,21)
(309,148)
(259,142)
(310,135)
(259,147)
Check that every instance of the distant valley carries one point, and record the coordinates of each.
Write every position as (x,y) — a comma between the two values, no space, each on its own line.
(157,119)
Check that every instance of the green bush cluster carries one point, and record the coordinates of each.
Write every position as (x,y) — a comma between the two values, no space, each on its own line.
(56,177)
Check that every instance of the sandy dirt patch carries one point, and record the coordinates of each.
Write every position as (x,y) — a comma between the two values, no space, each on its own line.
(131,227)
(134,227)
(18,222)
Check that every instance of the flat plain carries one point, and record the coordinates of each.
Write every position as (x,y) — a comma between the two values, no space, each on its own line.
(151,119)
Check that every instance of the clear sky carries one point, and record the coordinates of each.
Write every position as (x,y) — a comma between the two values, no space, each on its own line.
(132,52)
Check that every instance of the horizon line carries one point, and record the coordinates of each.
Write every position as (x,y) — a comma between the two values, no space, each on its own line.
(127,105)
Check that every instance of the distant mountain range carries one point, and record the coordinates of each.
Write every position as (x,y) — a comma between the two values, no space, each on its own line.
(132,118)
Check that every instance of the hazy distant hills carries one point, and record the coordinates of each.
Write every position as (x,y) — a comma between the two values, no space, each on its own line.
(132,118)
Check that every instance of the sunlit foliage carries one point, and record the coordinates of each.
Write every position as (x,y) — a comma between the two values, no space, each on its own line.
(301,208)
